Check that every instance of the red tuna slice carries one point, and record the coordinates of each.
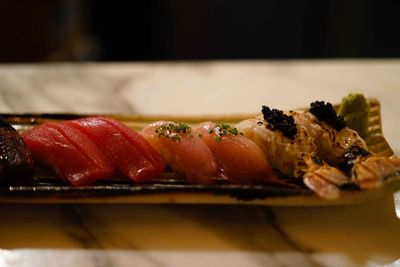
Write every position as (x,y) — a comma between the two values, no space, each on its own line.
(125,148)
(70,153)
(239,159)
(185,153)
(141,144)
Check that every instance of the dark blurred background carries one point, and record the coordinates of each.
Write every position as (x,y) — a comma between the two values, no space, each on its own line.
(72,30)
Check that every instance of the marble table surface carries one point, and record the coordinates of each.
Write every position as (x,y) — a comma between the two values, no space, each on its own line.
(199,235)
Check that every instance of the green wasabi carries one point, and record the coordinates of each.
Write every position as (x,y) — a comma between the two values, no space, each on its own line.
(355,111)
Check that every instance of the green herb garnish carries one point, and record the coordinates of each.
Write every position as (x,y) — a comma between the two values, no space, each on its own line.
(173,130)
(223,129)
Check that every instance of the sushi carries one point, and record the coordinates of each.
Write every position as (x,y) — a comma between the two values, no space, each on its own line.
(309,148)
(86,150)
(123,147)
(186,153)
(239,159)
(70,153)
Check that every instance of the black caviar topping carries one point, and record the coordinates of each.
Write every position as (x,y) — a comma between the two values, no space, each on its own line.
(325,112)
(351,154)
(279,121)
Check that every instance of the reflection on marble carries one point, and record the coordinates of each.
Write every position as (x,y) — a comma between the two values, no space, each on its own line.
(187,235)
(154,258)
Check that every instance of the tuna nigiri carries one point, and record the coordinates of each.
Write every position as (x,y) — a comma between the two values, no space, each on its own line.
(70,153)
(124,148)
(185,152)
(240,160)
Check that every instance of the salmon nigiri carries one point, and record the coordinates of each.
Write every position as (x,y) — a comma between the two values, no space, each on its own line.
(240,160)
(125,148)
(69,153)
(185,152)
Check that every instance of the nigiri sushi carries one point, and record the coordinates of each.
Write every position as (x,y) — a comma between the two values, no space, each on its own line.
(70,153)
(239,159)
(291,149)
(185,152)
(283,151)
(125,148)
(329,131)
(343,147)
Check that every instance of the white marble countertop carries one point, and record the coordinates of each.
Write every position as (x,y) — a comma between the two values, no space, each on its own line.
(198,235)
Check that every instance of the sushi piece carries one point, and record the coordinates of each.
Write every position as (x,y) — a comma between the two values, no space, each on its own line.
(329,131)
(185,152)
(285,152)
(137,140)
(240,160)
(71,154)
(124,148)
(15,158)
(291,148)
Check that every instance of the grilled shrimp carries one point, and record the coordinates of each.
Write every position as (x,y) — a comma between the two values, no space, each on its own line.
(335,144)
(370,171)
(296,158)
(323,179)
(316,145)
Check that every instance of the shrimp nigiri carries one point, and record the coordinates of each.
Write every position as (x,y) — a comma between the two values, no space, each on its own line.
(239,159)
(343,147)
(329,131)
(183,150)
(291,148)
(368,170)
